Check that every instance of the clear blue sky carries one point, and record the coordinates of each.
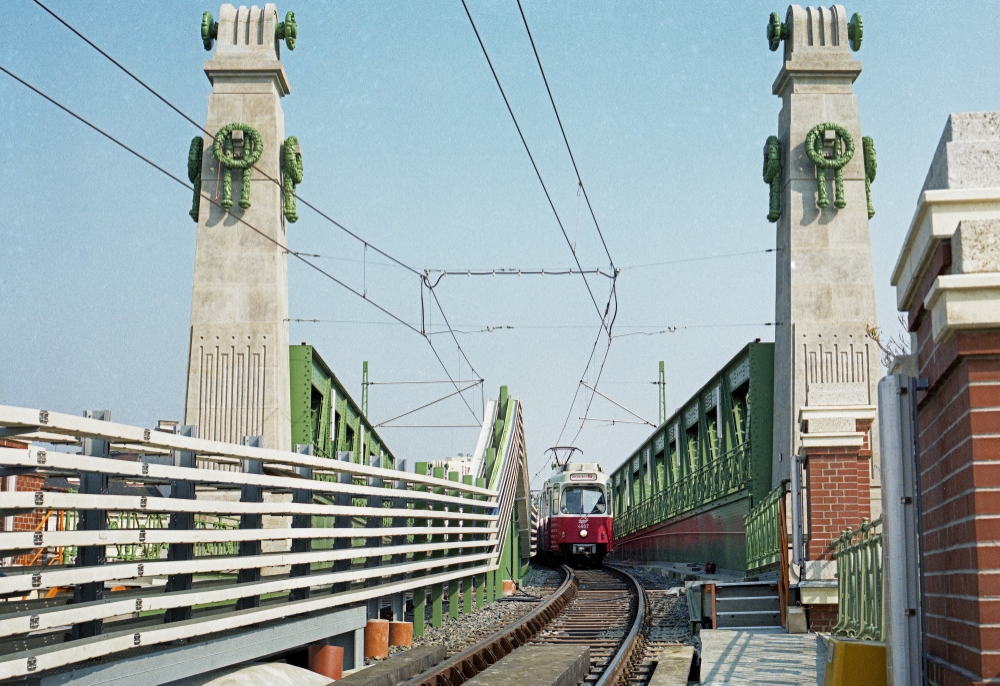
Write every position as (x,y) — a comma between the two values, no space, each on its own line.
(407,142)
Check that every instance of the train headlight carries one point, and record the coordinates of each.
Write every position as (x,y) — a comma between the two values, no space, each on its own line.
(583,533)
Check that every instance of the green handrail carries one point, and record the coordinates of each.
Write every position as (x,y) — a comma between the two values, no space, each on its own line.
(725,475)
(763,525)
(860,606)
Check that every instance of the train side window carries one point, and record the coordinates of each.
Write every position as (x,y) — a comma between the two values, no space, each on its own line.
(554,501)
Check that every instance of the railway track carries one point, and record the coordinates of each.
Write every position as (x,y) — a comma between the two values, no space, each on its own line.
(602,609)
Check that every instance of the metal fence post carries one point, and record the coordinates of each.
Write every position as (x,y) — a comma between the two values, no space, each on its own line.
(375,501)
(250,494)
(343,522)
(901,529)
(181,521)
(301,545)
(92,520)
(399,599)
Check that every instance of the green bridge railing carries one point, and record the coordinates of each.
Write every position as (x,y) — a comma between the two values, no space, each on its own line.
(764,532)
(722,476)
(860,608)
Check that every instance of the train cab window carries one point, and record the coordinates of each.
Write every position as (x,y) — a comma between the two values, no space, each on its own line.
(583,500)
(554,502)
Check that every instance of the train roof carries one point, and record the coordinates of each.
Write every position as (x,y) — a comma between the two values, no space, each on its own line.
(582,472)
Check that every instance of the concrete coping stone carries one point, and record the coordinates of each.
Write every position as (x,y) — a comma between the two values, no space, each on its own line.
(543,665)
(673,666)
(397,668)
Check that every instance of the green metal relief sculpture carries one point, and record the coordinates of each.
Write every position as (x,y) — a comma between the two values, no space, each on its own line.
(287,30)
(868,148)
(776,31)
(226,153)
(772,175)
(855,31)
(195,153)
(209,30)
(843,151)
(291,170)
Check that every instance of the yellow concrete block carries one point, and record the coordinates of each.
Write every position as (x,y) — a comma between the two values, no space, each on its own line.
(850,662)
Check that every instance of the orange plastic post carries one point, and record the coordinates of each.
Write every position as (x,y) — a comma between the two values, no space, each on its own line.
(326,660)
(377,638)
(401,634)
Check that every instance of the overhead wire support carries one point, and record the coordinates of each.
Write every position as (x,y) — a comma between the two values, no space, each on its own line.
(538,173)
(618,404)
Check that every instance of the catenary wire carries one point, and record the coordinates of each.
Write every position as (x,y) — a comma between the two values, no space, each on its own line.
(565,138)
(538,173)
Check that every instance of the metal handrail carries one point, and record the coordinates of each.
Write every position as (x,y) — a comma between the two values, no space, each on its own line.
(860,606)
(763,526)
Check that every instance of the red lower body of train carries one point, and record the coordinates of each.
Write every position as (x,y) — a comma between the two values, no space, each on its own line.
(577,537)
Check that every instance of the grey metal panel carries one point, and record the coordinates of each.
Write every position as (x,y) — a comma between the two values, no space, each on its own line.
(901,552)
(179,662)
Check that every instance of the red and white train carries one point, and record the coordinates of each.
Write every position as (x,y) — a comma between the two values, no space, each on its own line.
(575,520)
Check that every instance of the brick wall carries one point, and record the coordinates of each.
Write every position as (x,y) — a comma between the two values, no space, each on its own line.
(839,487)
(821,617)
(959,421)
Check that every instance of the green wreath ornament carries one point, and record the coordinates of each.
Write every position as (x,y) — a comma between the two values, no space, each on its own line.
(195,153)
(772,175)
(222,147)
(855,31)
(868,149)
(843,150)
(291,171)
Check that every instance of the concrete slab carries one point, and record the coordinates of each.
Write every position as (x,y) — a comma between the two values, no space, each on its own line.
(673,665)
(269,674)
(551,665)
(398,668)
(731,658)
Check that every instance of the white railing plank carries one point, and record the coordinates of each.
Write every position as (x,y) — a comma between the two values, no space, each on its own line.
(59,461)
(66,424)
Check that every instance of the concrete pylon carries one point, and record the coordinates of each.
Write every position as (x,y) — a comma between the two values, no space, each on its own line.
(826,369)
(238,377)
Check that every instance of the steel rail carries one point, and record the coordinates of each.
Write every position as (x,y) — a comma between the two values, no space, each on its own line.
(623,658)
(473,660)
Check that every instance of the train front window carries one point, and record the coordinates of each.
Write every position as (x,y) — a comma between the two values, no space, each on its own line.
(583,500)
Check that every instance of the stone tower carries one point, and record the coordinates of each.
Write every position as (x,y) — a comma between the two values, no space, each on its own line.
(826,368)
(238,377)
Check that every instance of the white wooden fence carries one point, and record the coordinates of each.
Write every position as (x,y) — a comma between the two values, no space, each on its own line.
(418,530)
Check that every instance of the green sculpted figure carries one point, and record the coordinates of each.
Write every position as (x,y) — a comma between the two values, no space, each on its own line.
(291,170)
(772,175)
(868,148)
(195,153)
(843,151)
(224,151)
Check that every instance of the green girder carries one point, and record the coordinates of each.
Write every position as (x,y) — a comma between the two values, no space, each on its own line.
(291,171)
(195,153)
(772,175)
(843,148)
(222,147)
(868,148)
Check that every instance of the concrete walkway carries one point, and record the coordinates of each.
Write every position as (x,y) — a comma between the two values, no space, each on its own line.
(761,656)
